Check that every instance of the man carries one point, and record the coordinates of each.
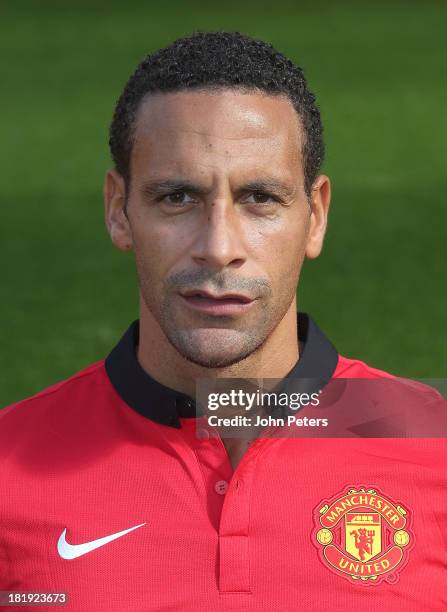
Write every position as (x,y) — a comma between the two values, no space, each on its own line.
(110,493)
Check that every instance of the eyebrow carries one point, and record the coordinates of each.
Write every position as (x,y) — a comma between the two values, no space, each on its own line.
(270,184)
(154,188)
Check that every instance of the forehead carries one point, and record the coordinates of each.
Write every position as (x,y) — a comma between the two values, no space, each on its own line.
(220,128)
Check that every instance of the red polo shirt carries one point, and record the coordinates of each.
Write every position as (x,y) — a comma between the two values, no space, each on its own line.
(108,494)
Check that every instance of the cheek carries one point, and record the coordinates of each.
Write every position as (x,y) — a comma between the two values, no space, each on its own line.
(283,259)
(281,249)
(158,249)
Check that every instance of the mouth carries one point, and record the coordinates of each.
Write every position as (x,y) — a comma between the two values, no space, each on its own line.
(228,304)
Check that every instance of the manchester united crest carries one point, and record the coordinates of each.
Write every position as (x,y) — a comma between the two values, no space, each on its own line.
(363,535)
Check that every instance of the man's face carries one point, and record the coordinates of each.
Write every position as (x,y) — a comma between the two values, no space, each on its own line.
(217,205)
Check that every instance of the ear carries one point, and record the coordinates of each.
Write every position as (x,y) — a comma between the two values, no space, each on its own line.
(320,201)
(115,214)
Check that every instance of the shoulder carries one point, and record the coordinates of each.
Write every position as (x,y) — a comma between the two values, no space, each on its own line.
(35,413)
(65,386)
(355,368)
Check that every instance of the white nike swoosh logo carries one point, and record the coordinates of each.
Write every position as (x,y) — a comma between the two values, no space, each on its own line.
(71,551)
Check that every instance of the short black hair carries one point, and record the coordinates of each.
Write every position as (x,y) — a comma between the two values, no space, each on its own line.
(218,60)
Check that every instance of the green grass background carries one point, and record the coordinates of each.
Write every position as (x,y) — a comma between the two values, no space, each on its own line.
(378,68)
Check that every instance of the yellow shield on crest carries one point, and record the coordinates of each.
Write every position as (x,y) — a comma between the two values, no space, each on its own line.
(363,534)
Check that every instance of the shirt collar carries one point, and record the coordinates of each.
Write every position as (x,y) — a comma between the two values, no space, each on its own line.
(318,360)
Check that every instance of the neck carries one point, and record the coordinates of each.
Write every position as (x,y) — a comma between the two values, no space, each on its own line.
(274,359)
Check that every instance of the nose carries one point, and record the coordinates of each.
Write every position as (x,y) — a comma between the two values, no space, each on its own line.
(219,241)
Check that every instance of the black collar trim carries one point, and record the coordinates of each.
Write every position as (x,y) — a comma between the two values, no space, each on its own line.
(318,360)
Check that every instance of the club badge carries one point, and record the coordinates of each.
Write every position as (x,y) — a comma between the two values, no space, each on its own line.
(363,535)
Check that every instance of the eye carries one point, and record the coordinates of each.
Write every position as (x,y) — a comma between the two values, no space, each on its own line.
(176,199)
(261,197)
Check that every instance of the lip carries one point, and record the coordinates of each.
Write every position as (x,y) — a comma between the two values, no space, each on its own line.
(229,304)
(214,296)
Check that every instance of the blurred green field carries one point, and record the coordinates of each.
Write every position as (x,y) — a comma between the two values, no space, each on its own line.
(378,68)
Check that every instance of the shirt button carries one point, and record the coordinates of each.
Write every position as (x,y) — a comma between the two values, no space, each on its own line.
(221,487)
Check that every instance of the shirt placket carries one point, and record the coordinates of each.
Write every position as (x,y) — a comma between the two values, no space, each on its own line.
(229,493)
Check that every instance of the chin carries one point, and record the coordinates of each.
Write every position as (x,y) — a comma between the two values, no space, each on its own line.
(213,361)
(213,350)
(213,347)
